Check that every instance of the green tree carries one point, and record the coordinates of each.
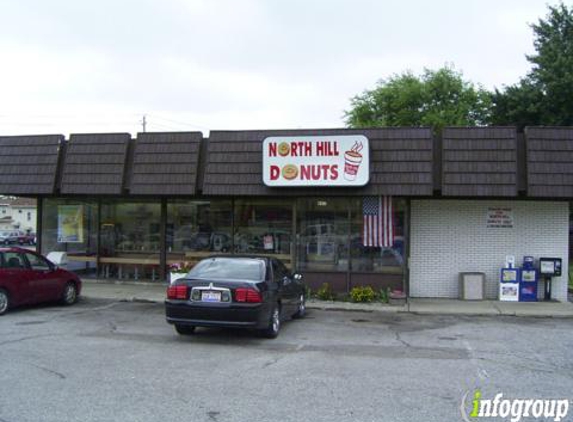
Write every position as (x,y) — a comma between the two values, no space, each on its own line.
(436,98)
(545,95)
(518,105)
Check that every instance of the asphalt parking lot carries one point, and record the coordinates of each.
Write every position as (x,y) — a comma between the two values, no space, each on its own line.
(104,360)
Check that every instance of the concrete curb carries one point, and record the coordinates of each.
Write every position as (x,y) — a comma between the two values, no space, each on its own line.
(386,310)
(155,293)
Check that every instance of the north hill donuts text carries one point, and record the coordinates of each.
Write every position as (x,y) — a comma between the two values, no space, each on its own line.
(307,172)
(304,149)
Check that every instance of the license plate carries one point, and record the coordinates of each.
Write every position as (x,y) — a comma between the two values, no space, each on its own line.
(211,296)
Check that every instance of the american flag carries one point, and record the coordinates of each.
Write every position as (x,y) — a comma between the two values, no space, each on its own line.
(378,214)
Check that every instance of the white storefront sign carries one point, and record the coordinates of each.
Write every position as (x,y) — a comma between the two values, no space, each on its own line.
(316,161)
(500,218)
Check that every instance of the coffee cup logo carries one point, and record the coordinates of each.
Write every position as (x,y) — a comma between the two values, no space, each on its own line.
(352,160)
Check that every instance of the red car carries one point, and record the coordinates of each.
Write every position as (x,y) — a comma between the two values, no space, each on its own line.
(27,278)
(27,239)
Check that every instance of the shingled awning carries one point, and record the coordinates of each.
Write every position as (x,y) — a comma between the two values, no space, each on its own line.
(28,164)
(550,161)
(400,163)
(479,161)
(165,164)
(95,164)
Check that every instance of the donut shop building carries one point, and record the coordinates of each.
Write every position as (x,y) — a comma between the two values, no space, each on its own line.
(395,207)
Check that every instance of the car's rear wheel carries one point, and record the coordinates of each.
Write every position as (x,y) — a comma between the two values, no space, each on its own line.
(301,310)
(70,294)
(272,330)
(4,301)
(184,330)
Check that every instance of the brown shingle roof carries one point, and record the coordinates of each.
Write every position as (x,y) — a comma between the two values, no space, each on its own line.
(165,163)
(95,163)
(550,161)
(400,163)
(479,161)
(28,164)
(24,202)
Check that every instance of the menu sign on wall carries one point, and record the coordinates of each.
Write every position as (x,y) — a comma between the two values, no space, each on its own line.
(316,160)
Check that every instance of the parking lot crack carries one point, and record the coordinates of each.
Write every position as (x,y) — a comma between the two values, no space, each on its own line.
(19,340)
(399,338)
(499,311)
(272,362)
(50,371)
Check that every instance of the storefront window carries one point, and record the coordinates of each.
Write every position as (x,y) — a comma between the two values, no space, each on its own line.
(264,226)
(323,239)
(71,226)
(130,240)
(378,259)
(198,228)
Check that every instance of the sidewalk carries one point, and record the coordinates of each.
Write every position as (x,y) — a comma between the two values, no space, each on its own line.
(155,292)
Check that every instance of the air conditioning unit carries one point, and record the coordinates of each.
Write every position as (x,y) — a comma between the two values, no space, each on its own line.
(472,286)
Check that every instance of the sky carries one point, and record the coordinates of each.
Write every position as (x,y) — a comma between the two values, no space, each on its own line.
(78,66)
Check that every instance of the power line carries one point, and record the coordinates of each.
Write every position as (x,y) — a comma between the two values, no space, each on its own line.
(63,115)
(48,120)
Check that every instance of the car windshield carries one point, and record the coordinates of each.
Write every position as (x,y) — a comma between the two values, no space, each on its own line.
(228,269)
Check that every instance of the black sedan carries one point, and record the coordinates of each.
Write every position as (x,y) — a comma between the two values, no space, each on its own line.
(255,292)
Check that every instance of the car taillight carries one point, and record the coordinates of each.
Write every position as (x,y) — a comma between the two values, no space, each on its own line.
(177,292)
(248,295)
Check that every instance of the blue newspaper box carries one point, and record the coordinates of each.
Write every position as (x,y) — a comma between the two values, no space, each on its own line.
(528,278)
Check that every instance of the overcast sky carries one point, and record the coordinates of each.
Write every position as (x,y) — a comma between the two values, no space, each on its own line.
(70,66)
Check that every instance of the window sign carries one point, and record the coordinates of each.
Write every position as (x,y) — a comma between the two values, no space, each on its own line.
(268,243)
(500,218)
(70,224)
(316,161)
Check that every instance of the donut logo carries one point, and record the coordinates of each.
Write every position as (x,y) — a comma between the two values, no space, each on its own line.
(290,172)
(284,149)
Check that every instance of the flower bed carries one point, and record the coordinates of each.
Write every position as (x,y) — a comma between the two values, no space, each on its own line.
(179,270)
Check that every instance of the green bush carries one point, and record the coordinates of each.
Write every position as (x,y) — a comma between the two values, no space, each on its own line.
(308,293)
(383,295)
(325,292)
(362,294)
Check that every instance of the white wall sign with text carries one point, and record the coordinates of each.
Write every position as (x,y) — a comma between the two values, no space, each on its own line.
(316,160)
(500,218)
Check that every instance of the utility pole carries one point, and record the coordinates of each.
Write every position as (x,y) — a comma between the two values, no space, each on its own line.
(144,123)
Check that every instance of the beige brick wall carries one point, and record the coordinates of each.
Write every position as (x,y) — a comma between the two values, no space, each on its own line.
(450,236)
